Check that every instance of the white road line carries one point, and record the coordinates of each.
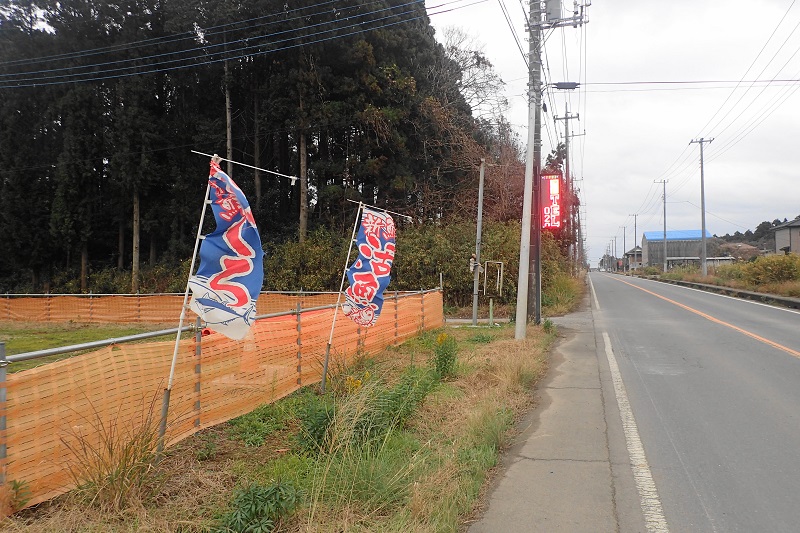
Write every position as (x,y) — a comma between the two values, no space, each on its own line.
(648,495)
(594,294)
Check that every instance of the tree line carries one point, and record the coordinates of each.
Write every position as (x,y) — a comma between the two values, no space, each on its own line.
(103,104)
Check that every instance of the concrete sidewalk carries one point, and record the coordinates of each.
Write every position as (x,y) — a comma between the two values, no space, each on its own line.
(568,469)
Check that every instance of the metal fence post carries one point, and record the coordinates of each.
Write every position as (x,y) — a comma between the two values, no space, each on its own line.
(396,319)
(198,350)
(3,446)
(90,306)
(48,307)
(299,344)
(422,301)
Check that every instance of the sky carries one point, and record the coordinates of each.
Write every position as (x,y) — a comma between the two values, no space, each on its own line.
(655,76)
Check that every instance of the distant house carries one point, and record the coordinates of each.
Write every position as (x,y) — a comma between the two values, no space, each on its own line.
(787,237)
(683,247)
(633,258)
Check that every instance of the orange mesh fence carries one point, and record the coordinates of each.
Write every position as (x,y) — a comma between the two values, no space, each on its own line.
(135,308)
(116,392)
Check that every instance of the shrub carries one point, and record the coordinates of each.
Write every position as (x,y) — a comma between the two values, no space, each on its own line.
(772,269)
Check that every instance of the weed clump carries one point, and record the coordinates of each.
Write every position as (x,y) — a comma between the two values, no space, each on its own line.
(259,509)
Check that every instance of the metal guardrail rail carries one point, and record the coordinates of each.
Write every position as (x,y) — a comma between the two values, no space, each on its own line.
(152,334)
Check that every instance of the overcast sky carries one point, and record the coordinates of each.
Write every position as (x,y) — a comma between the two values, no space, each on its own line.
(638,133)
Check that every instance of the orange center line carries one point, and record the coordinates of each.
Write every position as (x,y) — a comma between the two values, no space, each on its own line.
(774,344)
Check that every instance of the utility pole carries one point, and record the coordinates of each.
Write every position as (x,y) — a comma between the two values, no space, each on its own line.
(571,218)
(664,182)
(529,247)
(703,254)
(634,236)
(624,248)
(529,289)
(615,254)
(476,266)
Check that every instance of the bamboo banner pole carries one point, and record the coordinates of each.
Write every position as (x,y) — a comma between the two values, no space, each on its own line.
(162,428)
(293,178)
(339,297)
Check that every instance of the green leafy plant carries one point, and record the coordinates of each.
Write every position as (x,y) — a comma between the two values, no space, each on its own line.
(316,416)
(444,355)
(548,326)
(259,509)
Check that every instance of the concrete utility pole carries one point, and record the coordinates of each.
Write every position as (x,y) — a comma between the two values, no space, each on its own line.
(634,236)
(477,265)
(664,182)
(624,248)
(616,262)
(568,178)
(529,290)
(703,254)
(531,178)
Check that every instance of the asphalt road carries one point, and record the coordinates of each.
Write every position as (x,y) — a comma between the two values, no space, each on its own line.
(714,386)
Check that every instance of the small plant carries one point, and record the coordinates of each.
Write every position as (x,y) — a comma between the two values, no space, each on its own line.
(259,509)
(206,449)
(353,384)
(444,355)
(482,338)
(316,416)
(548,326)
(19,494)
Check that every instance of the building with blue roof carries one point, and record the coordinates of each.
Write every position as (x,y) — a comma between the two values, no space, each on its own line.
(683,247)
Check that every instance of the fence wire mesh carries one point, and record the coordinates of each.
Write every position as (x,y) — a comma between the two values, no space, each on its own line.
(116,391)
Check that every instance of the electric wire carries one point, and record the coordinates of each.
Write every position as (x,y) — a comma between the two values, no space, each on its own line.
(246,51)
(206,57)
(191,35)
(748,70)
(513,31)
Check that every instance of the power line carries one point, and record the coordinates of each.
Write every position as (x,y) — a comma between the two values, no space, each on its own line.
(203,57)
(248,53)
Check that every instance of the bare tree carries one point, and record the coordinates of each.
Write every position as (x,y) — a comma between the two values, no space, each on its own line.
(480,85)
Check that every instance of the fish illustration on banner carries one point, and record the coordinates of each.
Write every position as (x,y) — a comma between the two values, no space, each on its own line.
(229,278)
(370,273)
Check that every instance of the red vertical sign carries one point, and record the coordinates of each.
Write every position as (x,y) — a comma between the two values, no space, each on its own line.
(551,201)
